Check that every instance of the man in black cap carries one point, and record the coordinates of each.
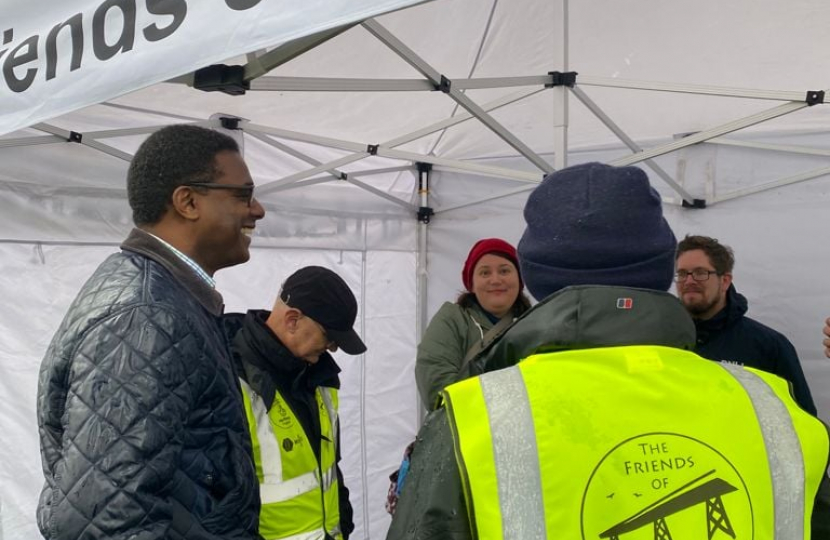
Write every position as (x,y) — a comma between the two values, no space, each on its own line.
(289,384)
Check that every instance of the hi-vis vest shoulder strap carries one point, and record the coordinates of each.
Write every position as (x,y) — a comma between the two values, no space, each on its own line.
(299,496)
(644,442)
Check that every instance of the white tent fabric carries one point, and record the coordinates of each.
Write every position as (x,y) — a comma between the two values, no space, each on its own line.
(653,71)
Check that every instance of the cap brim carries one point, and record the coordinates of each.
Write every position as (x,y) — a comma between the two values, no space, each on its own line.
(348,341)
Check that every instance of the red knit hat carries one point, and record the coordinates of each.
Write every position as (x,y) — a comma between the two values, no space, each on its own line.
(496,246)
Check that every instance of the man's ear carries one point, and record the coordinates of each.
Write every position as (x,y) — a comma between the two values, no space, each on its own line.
(185,203)
(292,317)
(727,280)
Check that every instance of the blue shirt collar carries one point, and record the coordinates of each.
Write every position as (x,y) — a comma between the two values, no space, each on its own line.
(189,262)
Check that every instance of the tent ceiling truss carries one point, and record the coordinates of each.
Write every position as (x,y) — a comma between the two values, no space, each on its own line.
(258,64)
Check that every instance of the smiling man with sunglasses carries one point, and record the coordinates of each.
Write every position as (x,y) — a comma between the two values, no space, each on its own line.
(290,384)
(142,424)
(704,285)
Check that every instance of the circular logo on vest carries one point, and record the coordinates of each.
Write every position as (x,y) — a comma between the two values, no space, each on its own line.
(287,444)
(665,486)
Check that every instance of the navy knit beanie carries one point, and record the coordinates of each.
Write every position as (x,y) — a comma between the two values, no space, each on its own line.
(594,224)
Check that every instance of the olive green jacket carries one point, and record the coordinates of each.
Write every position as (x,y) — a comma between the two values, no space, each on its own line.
(450,334)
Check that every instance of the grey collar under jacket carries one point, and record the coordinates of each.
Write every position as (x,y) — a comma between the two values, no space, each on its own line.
(147,245)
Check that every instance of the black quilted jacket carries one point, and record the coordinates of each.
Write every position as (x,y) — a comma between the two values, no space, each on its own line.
(142,430)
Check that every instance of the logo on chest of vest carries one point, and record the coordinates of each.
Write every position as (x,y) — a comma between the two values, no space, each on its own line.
(283,419)
(289,444)
(666,485)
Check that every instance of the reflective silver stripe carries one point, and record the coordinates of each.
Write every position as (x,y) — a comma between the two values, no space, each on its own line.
(786,460)
(317,534)
(329,477)
(515,454)
(288,489)
(325,393)
(273,488)
(269,451)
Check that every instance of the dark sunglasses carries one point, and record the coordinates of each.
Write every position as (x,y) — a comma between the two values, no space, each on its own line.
(243,192)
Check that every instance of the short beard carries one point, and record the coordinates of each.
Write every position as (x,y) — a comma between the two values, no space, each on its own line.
(698,309)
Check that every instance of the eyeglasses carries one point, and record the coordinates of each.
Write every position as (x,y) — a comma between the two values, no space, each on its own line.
(330,345)
(698,274)
(243,192)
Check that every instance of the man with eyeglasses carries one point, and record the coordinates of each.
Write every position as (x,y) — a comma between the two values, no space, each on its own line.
(142,426)
(290,384)
(704,285)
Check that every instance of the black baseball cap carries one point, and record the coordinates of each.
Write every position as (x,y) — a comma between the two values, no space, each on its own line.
(323,296)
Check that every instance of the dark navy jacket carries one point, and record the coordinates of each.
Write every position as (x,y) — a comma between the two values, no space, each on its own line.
(731,336)
(143,433)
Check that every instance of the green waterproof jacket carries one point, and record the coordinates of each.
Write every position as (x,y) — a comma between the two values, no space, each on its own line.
(450,334)
(431,505)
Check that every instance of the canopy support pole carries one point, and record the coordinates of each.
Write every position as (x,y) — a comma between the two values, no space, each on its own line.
(629,142)
(336,174)
(445,85)
(717,131)
(560,93)
(421,269)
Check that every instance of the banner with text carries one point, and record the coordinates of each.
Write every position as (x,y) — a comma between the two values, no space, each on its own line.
(56,57)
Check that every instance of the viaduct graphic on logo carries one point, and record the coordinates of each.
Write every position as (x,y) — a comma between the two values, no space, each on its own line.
(666,486)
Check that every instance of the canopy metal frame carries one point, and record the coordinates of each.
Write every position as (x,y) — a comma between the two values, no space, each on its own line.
(532,85)
(260,63)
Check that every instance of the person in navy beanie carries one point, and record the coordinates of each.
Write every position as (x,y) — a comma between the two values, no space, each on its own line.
(595,224)
(602,362)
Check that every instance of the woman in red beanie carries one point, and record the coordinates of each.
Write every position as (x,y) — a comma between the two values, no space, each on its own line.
(493,291)
(493,294)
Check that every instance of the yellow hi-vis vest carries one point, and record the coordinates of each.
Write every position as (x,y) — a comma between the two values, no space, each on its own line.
(299,496)
(634,443)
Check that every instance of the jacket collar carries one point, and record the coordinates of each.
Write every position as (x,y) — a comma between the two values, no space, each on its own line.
(148,246)
(267,365)
(479,315)
(592,316)
(736,307)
